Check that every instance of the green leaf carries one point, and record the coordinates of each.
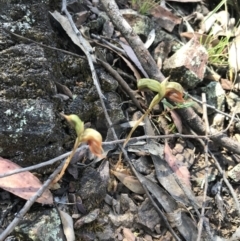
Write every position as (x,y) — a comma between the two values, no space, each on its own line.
(174,86)
(155,86)
(76,123)
(150,84)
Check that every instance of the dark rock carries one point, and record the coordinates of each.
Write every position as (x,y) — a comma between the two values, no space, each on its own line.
(93,186)
(147,215)
(42,225)
(143,165)
(29,128)
(187,66)
(127,203)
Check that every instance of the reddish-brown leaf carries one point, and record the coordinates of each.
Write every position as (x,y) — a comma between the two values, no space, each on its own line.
(177,166)
(24,184)
(165,18)
(175,96)
(177,120)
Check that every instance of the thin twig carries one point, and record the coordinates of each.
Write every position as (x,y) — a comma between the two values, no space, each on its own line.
(149,196)
(231,121)
(213,108)
(28,204)
(47,163)
(206,224)
(85,48)
(109,44)
(205,116)
(123,84)
(226,182)
(43,45)
(66,163)
(114,142)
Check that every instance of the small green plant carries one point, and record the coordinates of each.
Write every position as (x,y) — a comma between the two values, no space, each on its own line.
(170,90)
(92,137)
(144,6)
(218,54)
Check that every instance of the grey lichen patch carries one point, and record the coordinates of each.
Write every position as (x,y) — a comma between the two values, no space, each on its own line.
(25,73)
(215,95)
(142,25)
(43,225)
(27,126)
(108,83)
(22,19)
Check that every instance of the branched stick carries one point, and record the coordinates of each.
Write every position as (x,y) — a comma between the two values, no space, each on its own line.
(121,81)
(213,108)
(235,198)
(28,204)
(135,42)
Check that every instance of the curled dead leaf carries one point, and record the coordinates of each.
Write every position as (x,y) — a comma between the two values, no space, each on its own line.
(130,182)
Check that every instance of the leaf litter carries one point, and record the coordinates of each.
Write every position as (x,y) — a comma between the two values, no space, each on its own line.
(165,164)
(24,184)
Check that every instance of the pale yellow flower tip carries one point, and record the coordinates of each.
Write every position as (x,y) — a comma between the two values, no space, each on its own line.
(94,140)
(75,122)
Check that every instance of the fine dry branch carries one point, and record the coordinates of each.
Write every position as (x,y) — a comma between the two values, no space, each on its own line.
(133,39)
(28,204)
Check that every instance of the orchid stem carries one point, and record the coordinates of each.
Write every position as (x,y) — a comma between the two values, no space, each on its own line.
(135,127)
(60,175)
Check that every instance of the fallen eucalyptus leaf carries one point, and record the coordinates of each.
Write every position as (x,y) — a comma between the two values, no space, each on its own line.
(87,219)
(128,234)
(180,170)
(177,120)
(150,39)
(63,89)
(24,184)
(165,18)
(234,53)
(67,223)
(130,182)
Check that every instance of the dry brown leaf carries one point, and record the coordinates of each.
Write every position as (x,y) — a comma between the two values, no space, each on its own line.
(67,223)
(64,22)
(130,182)
(24,184)
(226,84)
(177,120)
(129,64)
(234,53)
(129,51)
(128,234)
(63,89)
(180,170)
(164,18)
